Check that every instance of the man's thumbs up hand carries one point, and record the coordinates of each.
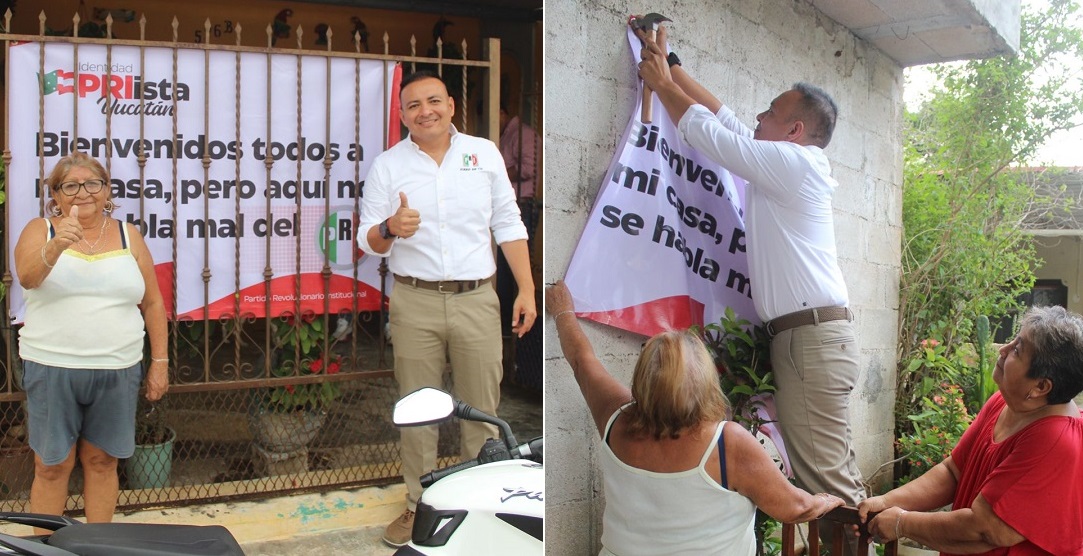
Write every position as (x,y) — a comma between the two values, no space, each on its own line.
(406,220)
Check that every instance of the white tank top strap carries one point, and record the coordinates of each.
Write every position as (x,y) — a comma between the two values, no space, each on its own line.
(613,419)
(711,444)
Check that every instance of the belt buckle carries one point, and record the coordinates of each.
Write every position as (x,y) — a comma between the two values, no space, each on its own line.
(440,287)
(769,328)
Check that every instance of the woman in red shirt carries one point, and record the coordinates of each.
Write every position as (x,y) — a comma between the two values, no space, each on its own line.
(1015,480)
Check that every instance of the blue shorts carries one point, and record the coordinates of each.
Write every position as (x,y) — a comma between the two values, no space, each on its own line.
(97,405)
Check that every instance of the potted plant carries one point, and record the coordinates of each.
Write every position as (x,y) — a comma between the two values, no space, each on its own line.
(152,462)
(16,461)
(286,418)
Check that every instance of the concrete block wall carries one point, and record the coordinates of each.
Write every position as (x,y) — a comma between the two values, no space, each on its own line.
(747,52)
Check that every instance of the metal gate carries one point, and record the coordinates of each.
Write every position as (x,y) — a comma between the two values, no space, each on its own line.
(225,442)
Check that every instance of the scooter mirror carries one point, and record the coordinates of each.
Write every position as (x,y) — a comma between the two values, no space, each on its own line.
(423,407)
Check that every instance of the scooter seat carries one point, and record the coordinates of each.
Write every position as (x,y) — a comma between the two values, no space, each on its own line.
(145,539)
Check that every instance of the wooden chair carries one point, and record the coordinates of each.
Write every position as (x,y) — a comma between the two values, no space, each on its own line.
(841,519)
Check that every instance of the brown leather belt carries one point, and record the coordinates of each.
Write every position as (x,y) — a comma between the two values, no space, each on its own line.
(446,286)
(806,317)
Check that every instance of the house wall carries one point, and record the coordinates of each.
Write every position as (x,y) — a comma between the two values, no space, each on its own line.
(747,52)
(1063,258)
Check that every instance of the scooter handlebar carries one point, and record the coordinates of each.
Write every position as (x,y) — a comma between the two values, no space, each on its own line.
(493,451)
(533,450)
(436,474)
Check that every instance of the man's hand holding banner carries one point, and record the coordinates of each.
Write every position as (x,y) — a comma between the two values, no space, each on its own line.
(664,246)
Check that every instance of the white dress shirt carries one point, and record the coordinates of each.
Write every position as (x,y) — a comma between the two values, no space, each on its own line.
(459,201)
(793,264)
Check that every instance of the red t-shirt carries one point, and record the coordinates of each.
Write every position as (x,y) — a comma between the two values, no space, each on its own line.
(1033,480)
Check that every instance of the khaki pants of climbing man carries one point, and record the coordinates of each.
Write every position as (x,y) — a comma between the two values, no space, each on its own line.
(816,368)
(429,329)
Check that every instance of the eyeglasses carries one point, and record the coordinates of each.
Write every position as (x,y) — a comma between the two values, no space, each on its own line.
(71,188)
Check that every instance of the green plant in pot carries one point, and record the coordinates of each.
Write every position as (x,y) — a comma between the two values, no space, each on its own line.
(310,397)
(152,463)
(16,460)
(288,417)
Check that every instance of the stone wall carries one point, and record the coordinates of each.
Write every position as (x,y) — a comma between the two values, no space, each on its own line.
(747,52)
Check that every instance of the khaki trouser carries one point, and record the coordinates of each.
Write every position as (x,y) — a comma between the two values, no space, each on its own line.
(429,328)
(816,368)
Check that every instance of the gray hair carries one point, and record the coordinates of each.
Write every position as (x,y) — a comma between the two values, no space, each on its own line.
(819,112)
(1056,339)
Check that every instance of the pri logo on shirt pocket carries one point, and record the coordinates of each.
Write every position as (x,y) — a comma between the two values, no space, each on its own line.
(470,161)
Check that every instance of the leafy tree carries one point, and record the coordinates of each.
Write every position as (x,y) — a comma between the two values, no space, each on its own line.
(965,253)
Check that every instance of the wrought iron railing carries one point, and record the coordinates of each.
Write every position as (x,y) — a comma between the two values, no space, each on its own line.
(224,370)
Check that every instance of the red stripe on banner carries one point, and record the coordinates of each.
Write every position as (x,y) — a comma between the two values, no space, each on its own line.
(164,273)
(394,121)
(669,313)
(283,298)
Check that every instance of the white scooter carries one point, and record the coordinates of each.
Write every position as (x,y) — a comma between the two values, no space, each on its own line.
(493,504)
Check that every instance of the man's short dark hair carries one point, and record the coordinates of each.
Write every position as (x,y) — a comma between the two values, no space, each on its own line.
(418,76)
(819,112)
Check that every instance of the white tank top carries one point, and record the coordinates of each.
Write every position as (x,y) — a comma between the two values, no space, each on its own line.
(85,314)
(672,514)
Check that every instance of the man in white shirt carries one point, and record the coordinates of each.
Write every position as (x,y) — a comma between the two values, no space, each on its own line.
(431,204)
(799,292)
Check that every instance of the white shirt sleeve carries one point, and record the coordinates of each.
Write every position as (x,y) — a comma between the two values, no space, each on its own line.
(376,205)
(777,167)
(507,222)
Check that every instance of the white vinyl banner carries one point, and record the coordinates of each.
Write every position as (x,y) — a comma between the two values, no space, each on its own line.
(233,219)
(664,245)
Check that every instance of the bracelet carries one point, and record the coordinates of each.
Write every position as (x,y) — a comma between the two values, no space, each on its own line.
(672,59)
(898,521)
(156,360)
(43,259)
(557,316)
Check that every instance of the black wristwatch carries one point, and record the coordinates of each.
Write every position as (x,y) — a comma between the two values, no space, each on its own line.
(673,59)
(385,232)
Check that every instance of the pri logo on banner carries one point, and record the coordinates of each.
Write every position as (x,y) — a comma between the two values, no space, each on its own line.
(664,247)
(118,91)
(336,238)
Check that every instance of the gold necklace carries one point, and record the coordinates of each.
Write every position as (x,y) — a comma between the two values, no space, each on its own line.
(91,249)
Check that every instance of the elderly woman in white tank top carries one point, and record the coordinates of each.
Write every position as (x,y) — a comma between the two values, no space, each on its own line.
(90,289)
(679,479)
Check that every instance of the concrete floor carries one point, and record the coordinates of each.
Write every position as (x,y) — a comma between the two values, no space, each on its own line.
(347,542)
